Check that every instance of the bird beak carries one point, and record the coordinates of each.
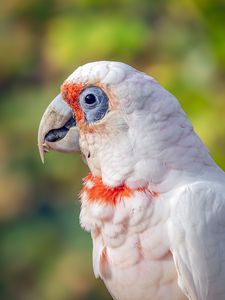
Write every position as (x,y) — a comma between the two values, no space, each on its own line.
(57,129)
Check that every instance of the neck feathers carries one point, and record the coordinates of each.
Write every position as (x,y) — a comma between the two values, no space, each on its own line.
(96,191)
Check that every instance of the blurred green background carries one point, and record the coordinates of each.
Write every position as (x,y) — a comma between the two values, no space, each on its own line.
(43,252)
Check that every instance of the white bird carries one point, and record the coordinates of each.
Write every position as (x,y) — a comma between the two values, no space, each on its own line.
(154,201)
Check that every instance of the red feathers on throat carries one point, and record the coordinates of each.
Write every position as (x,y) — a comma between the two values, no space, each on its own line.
(98,192)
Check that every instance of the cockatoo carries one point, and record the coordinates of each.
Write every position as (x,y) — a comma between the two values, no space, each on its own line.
(154,201)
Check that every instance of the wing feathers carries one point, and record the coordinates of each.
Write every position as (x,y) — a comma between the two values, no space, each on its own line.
(197,233)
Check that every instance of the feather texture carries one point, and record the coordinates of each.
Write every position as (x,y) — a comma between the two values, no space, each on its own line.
(155,200)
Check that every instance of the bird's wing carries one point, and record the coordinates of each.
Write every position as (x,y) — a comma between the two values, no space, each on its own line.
(197,233)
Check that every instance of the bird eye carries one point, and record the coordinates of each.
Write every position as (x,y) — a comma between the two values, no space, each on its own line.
(90,99)
(94,102)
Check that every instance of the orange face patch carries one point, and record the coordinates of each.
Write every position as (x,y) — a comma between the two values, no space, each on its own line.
(98,192)
(70,93)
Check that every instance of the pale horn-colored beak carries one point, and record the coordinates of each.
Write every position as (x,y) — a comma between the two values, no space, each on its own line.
(57,129)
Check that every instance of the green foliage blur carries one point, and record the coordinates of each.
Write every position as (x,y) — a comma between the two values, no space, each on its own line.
(43,252)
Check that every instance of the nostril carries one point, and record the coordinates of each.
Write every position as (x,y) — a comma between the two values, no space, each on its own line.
(89,155)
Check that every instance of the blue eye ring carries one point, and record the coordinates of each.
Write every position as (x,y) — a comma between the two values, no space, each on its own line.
(94,103)
(92,96)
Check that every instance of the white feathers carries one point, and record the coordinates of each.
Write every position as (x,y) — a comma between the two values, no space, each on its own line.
(147,138)
(114,76)
(196,229)
(130,246)
(145,141)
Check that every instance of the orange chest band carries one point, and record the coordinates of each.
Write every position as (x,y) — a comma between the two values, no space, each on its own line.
(98,192)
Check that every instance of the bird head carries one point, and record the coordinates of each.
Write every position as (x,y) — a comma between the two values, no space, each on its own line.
(128,128)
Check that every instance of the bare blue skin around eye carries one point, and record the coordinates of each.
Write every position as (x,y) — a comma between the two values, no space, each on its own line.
(96,111)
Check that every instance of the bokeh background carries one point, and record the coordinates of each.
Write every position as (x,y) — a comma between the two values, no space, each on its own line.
(43,252)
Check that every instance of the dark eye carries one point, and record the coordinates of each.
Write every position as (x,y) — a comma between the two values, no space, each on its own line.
(90,99)
(94,102)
